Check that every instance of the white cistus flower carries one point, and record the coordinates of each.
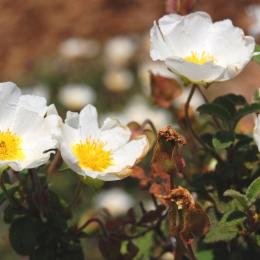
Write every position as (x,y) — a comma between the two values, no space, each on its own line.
(119,51)
(257,132)
(28,129)
(80,48)
(115,200)
(253,11)
(199,50)
(118,80)
(76,96)
(105,153)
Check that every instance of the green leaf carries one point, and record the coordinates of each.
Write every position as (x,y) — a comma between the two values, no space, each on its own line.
(252,108)
(216,110)
(230,101)
(94,183)
(253,190)
(205,255)
(223,140)
(256,58)
(257,238)
(235,217)
(222,232)
(240,198)
(144,245)
(23,235)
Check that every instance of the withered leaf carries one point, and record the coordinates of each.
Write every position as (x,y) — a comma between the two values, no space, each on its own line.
(164,90)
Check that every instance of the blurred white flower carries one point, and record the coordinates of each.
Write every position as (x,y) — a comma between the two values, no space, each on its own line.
(118,79)
(105,153)
(28,128)
(257,132)
(139,110)
(79,48)
(76,96)
(199,50)
(167,256)
(38,90)
(253,12)
(196,101)
(119,50)
(115,200)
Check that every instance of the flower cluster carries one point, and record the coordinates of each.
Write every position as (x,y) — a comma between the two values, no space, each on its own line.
(30,131)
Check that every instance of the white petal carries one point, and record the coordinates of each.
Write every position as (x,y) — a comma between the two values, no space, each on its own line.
(69,158)
(127,155)
(159,49)
(70,135)
(257,132)
(88,122)
(197,73)
(107,176)
(72,119)
(35,155)
(46,133)
(189,34)
(229,45)
(114,135)
(29,113)
(34,104)
(9,96)
(109,123)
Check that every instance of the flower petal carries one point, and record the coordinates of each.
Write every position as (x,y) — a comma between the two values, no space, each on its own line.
(235,49)
(9,96)
(197,73)
(159,49)
(114,135)
(257,132)
(29,112)
(189,34)
(88,122)
(127,155)
(72,119)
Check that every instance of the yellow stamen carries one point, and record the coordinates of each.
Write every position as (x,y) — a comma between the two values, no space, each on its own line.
(200,58)
(92,155)
(10,146)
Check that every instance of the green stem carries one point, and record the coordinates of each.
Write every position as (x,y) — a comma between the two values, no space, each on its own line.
(207,101)
(189,124)
(76,195)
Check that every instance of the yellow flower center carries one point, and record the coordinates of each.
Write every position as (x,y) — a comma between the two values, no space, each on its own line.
(10,146)
(92,155)
(200,58)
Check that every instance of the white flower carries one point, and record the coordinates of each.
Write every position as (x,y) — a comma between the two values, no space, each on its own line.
(76,96)
(119,50)
(79,47)
(118,80)
(116,201)
(106,153)
(139,110)
(253,12)
(199,50)
(197,99)
(257,132)
(28,129)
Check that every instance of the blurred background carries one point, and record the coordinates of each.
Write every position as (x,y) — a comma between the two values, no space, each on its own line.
(97,51)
